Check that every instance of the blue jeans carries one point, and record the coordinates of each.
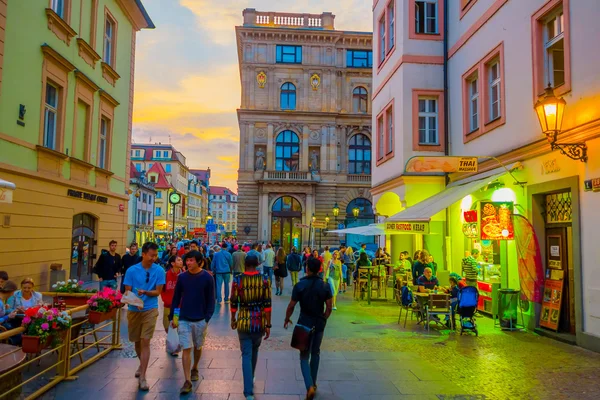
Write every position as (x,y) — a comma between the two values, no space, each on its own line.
(249,344)
(310,369)
(110,283)
(268,271)
(223,278)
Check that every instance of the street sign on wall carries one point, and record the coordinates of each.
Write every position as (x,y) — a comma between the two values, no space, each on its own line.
(319,224)
(407,227)
(211,228)
(429,164)
(302,226)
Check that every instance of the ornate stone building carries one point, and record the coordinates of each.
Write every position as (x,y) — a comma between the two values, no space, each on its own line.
(305,127)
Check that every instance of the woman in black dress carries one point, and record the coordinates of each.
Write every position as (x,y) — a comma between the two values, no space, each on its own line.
(280,270)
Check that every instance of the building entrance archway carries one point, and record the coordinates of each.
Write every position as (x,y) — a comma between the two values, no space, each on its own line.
(286,215)
(82,245)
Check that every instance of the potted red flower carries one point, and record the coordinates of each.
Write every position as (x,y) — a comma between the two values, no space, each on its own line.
(42,326)
(103,305)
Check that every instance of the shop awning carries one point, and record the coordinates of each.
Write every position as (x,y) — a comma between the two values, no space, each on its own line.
(6,191)
(367,230)
(423,211)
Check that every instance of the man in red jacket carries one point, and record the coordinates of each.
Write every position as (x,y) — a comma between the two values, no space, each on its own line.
(175,265)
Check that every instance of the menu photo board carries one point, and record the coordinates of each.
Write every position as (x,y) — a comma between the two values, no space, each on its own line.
(553,292)
(496,220)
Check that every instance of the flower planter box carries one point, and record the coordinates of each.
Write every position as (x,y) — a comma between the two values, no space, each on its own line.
(96,317)
(73,301)
(33,345)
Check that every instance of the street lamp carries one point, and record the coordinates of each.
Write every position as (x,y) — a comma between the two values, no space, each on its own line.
(327,219)
(550,112)
(336,211)
(355,212)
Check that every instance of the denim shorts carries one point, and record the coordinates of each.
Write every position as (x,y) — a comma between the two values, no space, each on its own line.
(192,334)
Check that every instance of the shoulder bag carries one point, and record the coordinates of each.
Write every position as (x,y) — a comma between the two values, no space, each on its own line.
(302,336)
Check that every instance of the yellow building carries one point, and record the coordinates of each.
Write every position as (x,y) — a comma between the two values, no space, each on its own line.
(66,83)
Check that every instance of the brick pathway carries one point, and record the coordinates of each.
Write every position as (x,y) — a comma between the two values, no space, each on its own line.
(365,355)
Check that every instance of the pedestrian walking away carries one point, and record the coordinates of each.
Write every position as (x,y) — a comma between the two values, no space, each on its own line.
(314,297)
(108,266)
(146,280)
(294,264)
(251,316)
(222,266)
(129,259)
(175,265)
(194,299)
(269,262)
(239,258)
(280,270)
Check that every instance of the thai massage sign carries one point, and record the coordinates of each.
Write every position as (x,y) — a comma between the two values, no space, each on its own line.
(429,164)
(407,227)
(496,220)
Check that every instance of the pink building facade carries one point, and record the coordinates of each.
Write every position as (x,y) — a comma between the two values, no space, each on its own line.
(461,78)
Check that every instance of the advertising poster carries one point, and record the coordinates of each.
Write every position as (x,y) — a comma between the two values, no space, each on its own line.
(496,220)
(551,302)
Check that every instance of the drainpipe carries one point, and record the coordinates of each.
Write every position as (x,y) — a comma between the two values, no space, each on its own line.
(446,128)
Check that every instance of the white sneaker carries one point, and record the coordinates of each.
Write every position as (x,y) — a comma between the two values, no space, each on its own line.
(335,308)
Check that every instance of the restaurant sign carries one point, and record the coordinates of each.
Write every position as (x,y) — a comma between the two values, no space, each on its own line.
(441,164)
(592,185)
(87,196)
(408,227)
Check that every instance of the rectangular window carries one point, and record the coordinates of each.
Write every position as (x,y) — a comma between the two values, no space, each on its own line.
(103,143)
(165,154)
(144,197)
(138,167)
(428,121)
(150,165)
(156,153)
(143,218)
(159,195)
(473,85)
(554,45)
(51,116)
(380,138)
(494,90)
(289,54)
(426,17)
(389,117)
(359,58)
(168,168)
(137,153)
(109,41)
(382,46)
(390,13)
(58,6)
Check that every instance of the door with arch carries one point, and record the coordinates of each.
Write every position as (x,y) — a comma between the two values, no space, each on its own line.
(366,216)
(82,245)
(286,215)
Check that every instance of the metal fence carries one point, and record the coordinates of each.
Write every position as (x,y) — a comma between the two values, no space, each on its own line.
(69,357)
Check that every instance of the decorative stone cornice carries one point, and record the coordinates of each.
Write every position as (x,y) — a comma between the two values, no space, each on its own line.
(109,74)
(87,53)
(60,27)
(58,58)
(334,38)
(106,96)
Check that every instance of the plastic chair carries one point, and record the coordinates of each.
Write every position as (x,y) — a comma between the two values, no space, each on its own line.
(439,304)
(362,280)
(408,308)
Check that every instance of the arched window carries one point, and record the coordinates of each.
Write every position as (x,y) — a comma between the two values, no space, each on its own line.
(364,206)
(359,155)
(288,96)
(287,148)
(287,204)
(360,100)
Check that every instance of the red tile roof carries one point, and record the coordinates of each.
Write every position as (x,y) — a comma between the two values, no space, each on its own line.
(162,182)
(149,150)
(221,190)
(202,174)
(134,173)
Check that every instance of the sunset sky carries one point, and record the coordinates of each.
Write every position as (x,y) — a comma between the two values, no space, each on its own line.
(187,84)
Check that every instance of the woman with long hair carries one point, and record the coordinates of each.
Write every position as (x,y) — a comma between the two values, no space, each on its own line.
(25,298)
(420,264)
(280,270)
(349,261)
(333,275)
(174,268)
(305,256)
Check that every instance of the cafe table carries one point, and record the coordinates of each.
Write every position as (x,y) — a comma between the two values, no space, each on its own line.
(369,269)
(10,358)
(422,300)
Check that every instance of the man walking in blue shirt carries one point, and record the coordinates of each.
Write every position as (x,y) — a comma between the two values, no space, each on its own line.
(222,265)
(195,298)
(146,280)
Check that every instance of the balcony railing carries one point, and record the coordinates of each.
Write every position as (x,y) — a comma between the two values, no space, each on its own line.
(295,20)
(359,178)
(290,176)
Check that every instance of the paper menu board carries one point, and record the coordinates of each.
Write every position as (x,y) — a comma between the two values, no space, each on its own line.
(551,302)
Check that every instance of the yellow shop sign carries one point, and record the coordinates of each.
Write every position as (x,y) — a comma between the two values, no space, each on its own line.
(407,227)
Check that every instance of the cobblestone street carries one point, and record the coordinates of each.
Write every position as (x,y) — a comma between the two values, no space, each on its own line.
(365,355)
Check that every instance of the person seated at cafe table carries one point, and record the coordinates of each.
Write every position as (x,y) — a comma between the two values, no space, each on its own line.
(427,282)
(25,298)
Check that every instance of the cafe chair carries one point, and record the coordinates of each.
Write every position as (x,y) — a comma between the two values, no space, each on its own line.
(361,283)
(408,308)
(439,305)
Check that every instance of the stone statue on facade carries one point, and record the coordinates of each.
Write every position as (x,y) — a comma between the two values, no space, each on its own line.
(259,164)
(314,161)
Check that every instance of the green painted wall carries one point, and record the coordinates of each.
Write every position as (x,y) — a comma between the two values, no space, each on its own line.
(26,31)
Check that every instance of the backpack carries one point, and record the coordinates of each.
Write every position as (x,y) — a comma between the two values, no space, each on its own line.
(407,296)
